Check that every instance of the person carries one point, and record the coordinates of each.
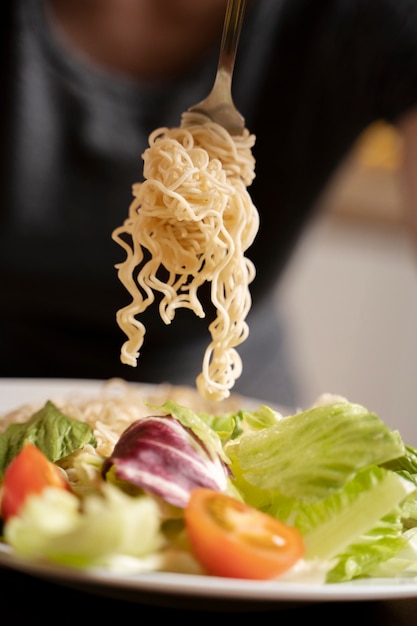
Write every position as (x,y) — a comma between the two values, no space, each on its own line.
(86,81)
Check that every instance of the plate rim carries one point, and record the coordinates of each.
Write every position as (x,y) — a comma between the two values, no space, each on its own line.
(211,587)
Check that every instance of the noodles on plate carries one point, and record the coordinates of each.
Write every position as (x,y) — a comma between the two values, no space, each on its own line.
(116,403)
(190,222)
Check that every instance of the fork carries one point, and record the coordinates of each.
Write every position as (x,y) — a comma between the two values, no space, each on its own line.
(219,105)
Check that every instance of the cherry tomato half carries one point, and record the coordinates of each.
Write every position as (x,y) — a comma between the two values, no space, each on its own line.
(232,539)
(28,473)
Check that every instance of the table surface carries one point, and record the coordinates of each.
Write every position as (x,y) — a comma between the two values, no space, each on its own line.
(30,600)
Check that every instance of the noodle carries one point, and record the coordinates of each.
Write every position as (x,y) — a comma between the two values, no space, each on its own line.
(194,217)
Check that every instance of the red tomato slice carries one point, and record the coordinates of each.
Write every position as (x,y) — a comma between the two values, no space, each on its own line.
(29,473)
(232,539)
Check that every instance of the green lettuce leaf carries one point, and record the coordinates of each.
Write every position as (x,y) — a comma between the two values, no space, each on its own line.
(316,452)
(403,564)
(55,434)
(354,529)
(229,426)
(374,547)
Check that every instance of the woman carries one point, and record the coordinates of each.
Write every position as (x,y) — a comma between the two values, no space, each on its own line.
(86,81)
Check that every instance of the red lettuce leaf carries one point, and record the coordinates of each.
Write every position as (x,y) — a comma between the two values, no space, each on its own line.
(161,456)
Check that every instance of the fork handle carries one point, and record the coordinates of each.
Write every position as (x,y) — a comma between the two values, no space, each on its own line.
(233,21)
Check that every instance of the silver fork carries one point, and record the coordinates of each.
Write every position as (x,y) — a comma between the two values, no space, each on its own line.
(219,105)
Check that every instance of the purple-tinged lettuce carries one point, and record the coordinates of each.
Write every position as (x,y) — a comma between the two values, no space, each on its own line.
(163,456)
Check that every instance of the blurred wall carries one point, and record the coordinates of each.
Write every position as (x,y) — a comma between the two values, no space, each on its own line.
(349,296)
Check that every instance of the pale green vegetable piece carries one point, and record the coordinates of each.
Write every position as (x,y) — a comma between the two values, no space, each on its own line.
(315,452)
(354,511)
(112,524)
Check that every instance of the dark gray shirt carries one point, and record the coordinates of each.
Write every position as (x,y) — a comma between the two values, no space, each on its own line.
(309,77)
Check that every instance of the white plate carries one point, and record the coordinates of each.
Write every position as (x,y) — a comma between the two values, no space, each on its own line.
(174,589)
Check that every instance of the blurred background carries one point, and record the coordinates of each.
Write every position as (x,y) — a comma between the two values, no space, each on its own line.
(349,296)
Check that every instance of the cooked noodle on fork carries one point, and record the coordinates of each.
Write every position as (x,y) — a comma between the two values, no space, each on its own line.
(190,222)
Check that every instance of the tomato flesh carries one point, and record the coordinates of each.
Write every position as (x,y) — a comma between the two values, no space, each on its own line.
(232,539)
(28,473)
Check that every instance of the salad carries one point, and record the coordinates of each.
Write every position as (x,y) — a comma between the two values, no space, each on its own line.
(326,494)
